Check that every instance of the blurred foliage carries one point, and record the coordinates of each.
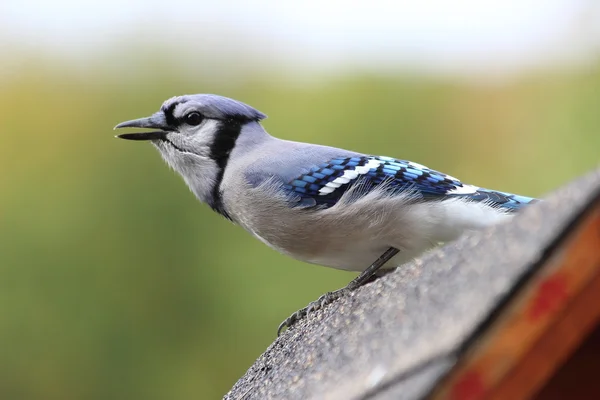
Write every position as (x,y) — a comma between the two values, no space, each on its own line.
(117,284)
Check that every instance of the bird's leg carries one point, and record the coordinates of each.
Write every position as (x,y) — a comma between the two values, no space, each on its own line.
(330,297)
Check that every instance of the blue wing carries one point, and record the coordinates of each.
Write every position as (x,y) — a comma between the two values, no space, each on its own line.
(324,184)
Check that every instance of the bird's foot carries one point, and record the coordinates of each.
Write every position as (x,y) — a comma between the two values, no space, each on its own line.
(330,297)
(321,302)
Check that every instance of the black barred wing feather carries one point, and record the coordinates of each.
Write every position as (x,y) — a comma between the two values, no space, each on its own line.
(324,184)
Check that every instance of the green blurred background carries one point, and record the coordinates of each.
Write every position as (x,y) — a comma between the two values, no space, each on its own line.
(116,283)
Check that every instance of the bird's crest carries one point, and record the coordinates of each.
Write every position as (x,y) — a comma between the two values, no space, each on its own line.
(212,106)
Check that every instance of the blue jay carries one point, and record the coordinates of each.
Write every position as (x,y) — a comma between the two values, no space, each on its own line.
(318,204)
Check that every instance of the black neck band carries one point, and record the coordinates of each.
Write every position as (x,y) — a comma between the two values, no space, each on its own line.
(224,142)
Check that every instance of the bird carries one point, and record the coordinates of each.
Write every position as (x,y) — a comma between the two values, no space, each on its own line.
(318,204)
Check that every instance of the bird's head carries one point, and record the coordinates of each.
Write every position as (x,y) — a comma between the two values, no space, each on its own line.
(195,134)
(192,124)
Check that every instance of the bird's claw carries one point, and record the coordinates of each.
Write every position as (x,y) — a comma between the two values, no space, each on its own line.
(321,302)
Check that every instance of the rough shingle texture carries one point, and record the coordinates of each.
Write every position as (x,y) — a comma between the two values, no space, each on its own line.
(394,338)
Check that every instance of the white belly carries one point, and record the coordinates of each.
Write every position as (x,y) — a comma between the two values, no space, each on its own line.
(352,235)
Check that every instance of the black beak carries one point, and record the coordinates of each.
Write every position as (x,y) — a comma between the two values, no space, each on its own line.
(155,135)
(156,121)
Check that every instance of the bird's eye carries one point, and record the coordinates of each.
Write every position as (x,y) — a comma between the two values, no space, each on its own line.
(193,118)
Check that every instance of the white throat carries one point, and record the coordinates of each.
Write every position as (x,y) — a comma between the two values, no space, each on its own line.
(199,171)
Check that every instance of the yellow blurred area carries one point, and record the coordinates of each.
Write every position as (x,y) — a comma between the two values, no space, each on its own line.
(116,283)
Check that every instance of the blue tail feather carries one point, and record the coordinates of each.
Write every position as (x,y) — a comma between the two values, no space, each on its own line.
(508,201)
